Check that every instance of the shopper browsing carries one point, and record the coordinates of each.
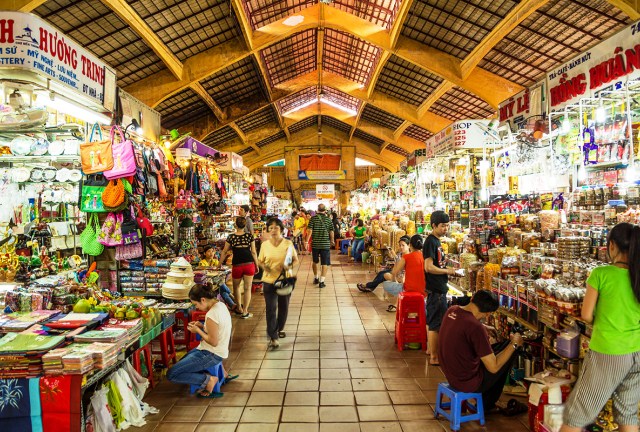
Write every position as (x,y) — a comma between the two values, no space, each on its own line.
(214,347)
(413,266)
(437,278)
(336,226)
(245,212)
(299,224)
(225,292)
(358,232)
(611,367)
(385,275)
(273,258)
(320,230)
(244,262)
(467,359)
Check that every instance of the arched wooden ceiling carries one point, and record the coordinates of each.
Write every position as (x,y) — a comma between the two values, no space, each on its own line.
(254,75)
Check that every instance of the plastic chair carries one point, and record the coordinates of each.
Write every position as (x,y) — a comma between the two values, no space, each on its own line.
(411,321)
(147,361)
(167,347)
(216,371)
(344,246)
(194,338)
(182,320)
(452,410)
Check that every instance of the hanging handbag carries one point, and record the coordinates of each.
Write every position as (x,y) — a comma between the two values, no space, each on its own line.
(124,160)
(96,156)
(113,194)
(91,189)
(162,189)
(111,232)
(129,228)
(89,237)
(144,223)
(129,252)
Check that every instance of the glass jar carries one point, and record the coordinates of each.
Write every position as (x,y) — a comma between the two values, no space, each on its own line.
(599,196)
(590,197)
(607,192)
(581,198)
(610,214)
(633,195)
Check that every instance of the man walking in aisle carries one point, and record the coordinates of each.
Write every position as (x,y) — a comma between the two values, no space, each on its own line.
(437,278)
(320,229)
(245,212)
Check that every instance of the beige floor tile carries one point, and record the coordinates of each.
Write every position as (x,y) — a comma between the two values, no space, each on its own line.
(273,374)
(277,354)
(176,427)
(360,354)
(401,384)
(333,363)
(337,385)
(414,412)
(305,364)
(304,373)
(337,398)
(260,427)
(218,414)
(247,364)
(302,398)
(298,427)
(339,427)
(380,427)
(362,363)
(407,397)
(276,364)
(335,374)
(336,346)
(261,415)
(300,414)
(365,373)
(306,354)
(372,398)
(214,427)
(340,414)
(422,426)
(231,399)
(333,354)
(185,414)
(245,373)
(376,413)
(303,385)
(239,385)
(400,372)
(307,346)
(270,385)
(368,384)
(265,399)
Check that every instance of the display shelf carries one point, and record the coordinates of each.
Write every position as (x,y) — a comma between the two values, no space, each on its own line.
(524,323)
(555,353)
(45,158)
(142,294)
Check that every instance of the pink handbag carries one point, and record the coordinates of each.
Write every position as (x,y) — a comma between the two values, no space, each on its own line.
(124,159)
(111,232)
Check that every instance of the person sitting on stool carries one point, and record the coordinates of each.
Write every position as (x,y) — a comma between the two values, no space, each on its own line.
(465,354)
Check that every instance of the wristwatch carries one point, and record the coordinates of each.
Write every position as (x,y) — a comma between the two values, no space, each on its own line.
(516,346)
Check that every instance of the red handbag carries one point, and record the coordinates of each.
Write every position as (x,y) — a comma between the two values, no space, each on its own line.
(144,223)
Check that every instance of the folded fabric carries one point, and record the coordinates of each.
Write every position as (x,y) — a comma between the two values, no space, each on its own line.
(20,405)
(60,401)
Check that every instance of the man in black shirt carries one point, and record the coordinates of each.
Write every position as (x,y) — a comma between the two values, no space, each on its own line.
(437,277)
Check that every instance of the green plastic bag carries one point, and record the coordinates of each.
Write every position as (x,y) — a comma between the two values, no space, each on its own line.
(89,237)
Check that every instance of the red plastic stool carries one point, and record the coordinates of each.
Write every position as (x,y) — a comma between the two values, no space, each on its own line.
(411,320)
(194,338)
(147,360)
(167,347)
(256,286)
(182,321)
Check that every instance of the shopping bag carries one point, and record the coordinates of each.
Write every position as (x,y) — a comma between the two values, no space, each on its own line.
(124,159)
(96,156)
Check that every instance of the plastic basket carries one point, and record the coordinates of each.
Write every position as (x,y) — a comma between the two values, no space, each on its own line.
(150,335)
(168,320)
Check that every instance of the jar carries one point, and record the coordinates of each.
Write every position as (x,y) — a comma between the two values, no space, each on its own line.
(599,196)
(610,214)
(590,197)
(581,198)
(633,195)
(607,192)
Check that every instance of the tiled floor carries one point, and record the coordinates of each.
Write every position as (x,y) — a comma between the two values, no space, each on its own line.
(337,370)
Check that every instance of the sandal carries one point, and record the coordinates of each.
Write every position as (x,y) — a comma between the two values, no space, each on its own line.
(391,308)
(205,394)
(282,335)
(362,287)
(514,408)
(229,378)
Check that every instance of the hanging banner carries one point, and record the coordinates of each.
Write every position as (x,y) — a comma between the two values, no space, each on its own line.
(517,109)
(308,194)
(322,175)
(325,191)
(466,134)
(606,66)
(28,42)
(233,162)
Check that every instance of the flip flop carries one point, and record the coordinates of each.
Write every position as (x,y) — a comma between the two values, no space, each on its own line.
(362,288)
(391,308)
(229,378)
(514,408)
(209,395)
(282,335)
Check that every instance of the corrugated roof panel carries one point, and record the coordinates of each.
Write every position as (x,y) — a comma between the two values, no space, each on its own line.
(263,12)
(245,151)
(366,137)
(459,104)
(182,108)
(220,136)
(341,98)
(380,117)
(395,149)
(273,138)
(406,81)
(304,124)
(237,83)
(298,99)
(380,12)
(336,124)
(291,57)
(417,133)
(258,119)
(349,56)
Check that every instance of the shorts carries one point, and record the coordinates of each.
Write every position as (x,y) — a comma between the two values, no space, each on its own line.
(392,287)
(240,270)
(321,255)
(605,376)
(435,309)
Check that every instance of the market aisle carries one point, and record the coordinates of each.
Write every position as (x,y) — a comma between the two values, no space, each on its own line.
(337,370)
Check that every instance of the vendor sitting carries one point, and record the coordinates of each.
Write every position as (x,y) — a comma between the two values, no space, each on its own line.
(213,349)
(465,354)
(224,291)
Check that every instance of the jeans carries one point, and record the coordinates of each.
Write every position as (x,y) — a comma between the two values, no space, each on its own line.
(377,280)
(225,293)
(393,288)
(493,383)
(193,367)
(277,310)
(356,246)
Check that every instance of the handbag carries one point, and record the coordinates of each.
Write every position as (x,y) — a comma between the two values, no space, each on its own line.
(285,284)
(96,156)
(144,223)
(113,194)
(111,232)
(91,190)
(129,228)
(129,252)
(124,160)
(89,237)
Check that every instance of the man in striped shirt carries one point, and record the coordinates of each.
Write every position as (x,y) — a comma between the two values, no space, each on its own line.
(320,229)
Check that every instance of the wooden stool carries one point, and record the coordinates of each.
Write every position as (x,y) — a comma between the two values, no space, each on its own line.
(182,320)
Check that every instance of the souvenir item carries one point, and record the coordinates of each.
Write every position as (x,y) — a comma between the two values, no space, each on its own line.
(124,161)
(111,232)
(96,156)
(22,145)
(113,194)
(89,237)
(92,189)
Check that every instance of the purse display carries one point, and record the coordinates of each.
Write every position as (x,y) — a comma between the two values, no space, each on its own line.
(96,156)
(113,194)
(111,232)
(124,160)
(91,191)
(89,237)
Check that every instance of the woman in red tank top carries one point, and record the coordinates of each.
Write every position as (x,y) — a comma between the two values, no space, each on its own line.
(413,266)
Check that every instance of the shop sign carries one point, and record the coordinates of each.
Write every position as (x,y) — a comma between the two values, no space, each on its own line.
(308,194)
(325,191)
(28,42)
(322,175)
(200,149)
(465,134)
(232,162)
(606,66)
(517,109)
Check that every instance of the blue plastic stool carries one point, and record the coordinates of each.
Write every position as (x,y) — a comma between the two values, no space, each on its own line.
(344,246)
(452,410)
(213,371)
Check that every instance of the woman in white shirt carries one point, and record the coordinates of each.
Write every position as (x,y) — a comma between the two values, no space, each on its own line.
(276,255)
(214,347)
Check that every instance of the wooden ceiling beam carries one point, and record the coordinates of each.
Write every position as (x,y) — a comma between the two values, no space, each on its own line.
(401,17)
(243,20)
(124,10)
(206,97)
(514,18)
(488,86)
(444,87)
(629,7)
(21,5)
(243,137)
(403,127)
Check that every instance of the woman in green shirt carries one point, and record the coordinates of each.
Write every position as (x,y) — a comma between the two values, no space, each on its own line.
(359,231)
(612,366)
